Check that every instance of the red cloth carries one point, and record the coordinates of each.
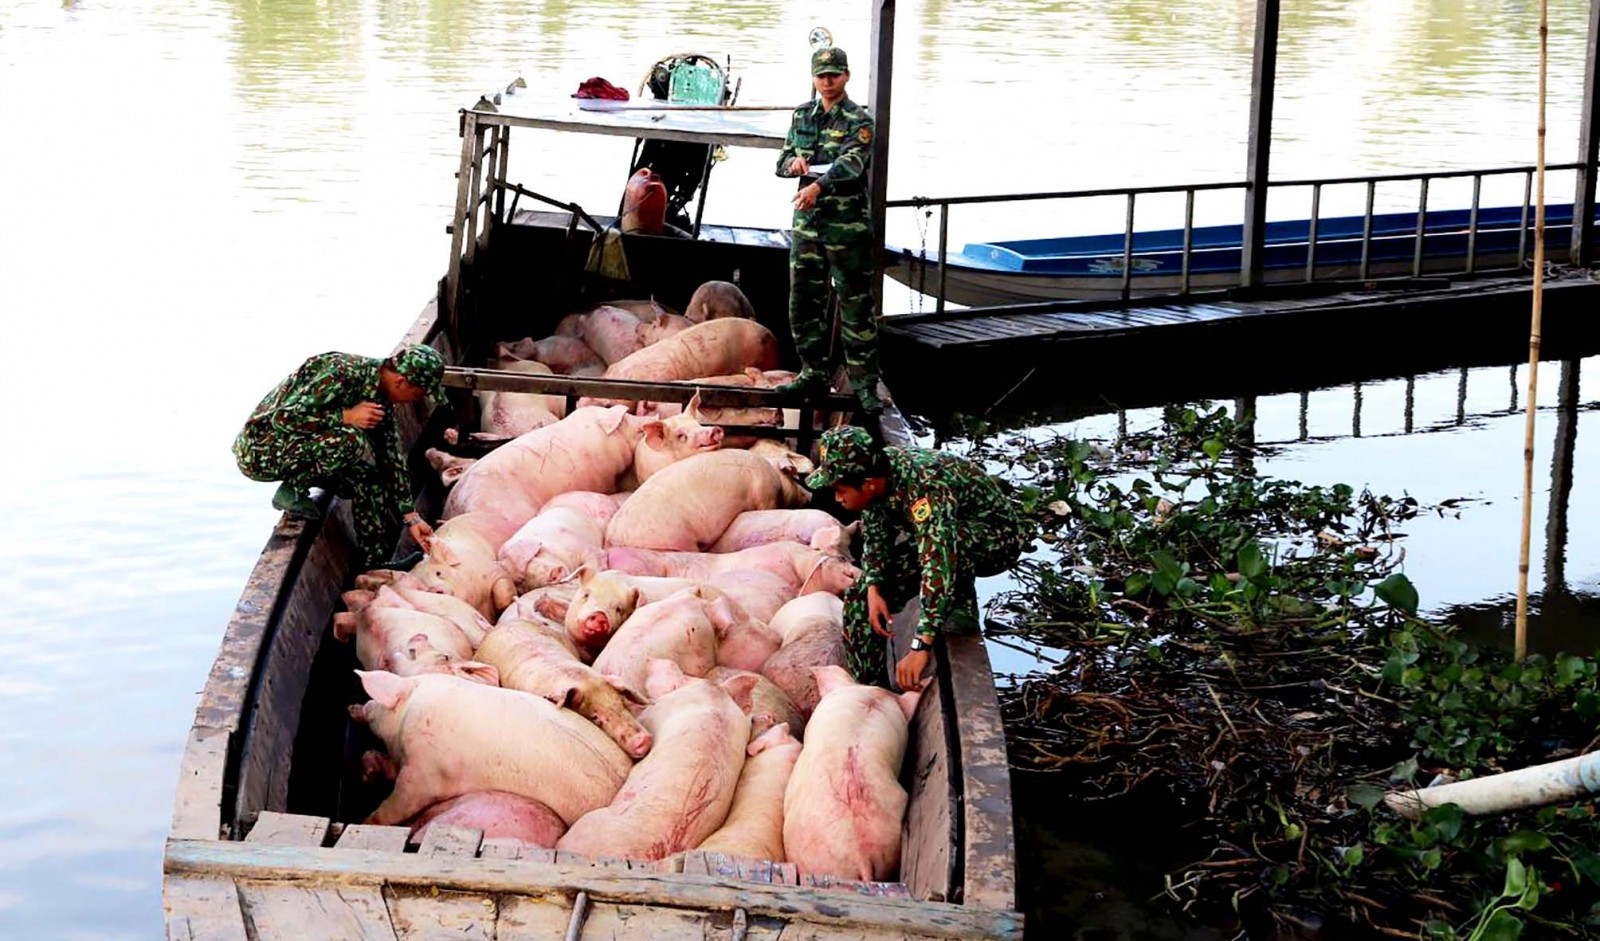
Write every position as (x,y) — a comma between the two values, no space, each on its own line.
(600,88)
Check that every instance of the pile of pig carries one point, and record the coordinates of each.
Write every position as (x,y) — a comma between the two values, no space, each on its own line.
(626,640)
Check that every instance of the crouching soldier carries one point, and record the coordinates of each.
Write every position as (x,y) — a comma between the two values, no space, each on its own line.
(330,424)
(931,522)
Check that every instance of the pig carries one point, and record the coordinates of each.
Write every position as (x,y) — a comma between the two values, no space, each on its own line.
(450,737)
(604,600)
(687,505)
(753,828)
(501,816)
(813,528)
(648,311)
(758,594)
(536,657)
(802,568)
(813,635)
(509,414)
(662,327)
(419,656)
(567,355)
(407,592)
(380,630)
(679,794)
(713,348)
(550,603)
(683,628)
(551,546)
(612,333)
(673,439)
(745,643)
(447,465)
(843,806)
(587,450)
(760,698)
(599,507)
(717,299)
(462,562)
(786,461)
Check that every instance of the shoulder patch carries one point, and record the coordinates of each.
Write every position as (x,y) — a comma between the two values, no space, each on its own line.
(865,134)
(921,510)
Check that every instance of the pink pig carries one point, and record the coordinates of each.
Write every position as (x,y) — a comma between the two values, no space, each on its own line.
(843,808)
(688,504)
(552,545)
(604,600)
(813,635)
(613,333)
(813,528)
(713,348)
(501,816)
(683,629)
(754,826)
(760,698)
(567,355)
(673,439)
(462,562)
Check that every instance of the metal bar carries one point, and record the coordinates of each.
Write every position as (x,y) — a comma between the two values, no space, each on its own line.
(1522,232)
(1422,225)
(469,133)
(881,69)
(1127,251)
(499,380)
(1472,225)
(1311,241)
(471,245)
(944,247)
(705,183)
(580,912)
(1585,238)
(1188,240)
(491,158)
(1263,79)
(1366,231)
(502,169)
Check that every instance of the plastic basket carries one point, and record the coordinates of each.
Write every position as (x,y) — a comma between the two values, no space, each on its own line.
(695,84)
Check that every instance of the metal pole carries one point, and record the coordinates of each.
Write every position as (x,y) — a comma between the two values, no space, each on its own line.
(1262,81)
(881,66)
(1584,236)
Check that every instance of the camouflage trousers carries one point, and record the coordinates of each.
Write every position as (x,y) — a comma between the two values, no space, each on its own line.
(986,549)
(813,261)
(339,460)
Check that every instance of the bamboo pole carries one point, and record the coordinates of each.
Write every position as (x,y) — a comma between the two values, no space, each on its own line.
(1533,349)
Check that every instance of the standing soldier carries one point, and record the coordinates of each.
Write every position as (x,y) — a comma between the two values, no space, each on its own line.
(832,235)
(329,424)
(960,522)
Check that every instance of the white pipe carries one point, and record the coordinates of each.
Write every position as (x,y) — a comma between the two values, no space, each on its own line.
(1553,783)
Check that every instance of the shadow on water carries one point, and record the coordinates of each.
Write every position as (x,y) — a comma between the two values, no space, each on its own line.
(1452,437)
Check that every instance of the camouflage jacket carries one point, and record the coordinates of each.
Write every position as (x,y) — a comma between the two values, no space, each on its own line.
(936,497)
(841,137)
(311,402)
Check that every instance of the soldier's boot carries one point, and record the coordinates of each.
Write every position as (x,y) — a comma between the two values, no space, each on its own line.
(296,502)
(809,380)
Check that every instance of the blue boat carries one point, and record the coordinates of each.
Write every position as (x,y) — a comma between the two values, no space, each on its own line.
(1093,266)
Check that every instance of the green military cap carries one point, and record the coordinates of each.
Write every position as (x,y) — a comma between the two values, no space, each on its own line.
(845,452)
(829,59)
(422,367)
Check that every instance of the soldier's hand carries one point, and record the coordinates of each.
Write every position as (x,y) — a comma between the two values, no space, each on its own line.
(908,672)
(798,166)
(422,533)
(364,415)
(807,197)
(878,612)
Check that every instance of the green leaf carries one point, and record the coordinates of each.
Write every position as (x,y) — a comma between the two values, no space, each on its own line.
(1516,879)
(1252,564)
(1136,585)
(1502,926)
(1446,820)
(1397,592)
(1353,855)
(1366,796)
(1166,565)
(1524,840)
(1212,447)
(1588,866)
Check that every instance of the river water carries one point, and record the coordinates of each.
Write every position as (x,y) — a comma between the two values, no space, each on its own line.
(198,195)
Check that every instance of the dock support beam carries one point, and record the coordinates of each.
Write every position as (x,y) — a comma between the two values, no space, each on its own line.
(1263,80)
(882,67)
(1584,237)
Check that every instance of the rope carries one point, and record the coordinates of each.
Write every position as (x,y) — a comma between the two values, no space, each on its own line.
(1533,348)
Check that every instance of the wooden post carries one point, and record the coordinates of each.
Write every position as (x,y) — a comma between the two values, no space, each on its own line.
(1585,249)
(1263,79)
(1535,340)
(458,224)
(882,68)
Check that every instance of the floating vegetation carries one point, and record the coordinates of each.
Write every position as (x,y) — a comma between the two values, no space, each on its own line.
(1251,646)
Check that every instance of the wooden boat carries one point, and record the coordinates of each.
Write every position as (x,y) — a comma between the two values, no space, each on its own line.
(1092,266)
(264,841)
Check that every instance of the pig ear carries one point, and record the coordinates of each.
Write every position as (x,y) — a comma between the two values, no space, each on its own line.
(344,625)
(777,735)
(443,554)
(356,598)
(386,688)
(564,696)
(832,677)
(452,474)
(722,615)
(662,677)
(628,692)
(503,595)
(693,408)
(613,418)
(551,607)
(654,431)
(908,702)
(740,687)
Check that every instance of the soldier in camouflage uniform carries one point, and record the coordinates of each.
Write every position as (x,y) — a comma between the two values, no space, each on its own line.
(832,235)
(958,521)
(329,425)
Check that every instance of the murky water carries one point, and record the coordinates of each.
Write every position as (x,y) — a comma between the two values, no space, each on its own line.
(198,195)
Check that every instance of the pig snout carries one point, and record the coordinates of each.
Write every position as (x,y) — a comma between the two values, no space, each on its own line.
(710,437)
(595,626)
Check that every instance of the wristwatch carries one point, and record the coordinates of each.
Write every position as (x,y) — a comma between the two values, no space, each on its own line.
(917,643)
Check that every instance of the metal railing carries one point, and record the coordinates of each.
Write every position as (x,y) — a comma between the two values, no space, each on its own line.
(1315,238)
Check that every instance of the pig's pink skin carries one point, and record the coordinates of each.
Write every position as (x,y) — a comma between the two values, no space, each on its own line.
(648,311)
(813,635)
(462,562)
(760,527)
(599,507)
(604,600)
(563,354)
(450,737)
(666,325)
(754,825)
(761,699)
(571,325)
(587,450)
(746,644)
(680,628)
(717,299)
(536,657)
(714,348)
(843,807)
(688,504)
(419,656)
(613,333)
(758,594)
(550,603)
(552,546)
(380,630)
(499,815)
(670,440)
(680,793)
(509,414)
(449,466)
(801,568)
(464,616)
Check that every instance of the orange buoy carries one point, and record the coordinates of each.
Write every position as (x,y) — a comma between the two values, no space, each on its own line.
(644,207)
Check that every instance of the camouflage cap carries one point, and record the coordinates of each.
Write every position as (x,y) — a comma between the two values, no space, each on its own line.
(422,367)
(829,59)
(845,452)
